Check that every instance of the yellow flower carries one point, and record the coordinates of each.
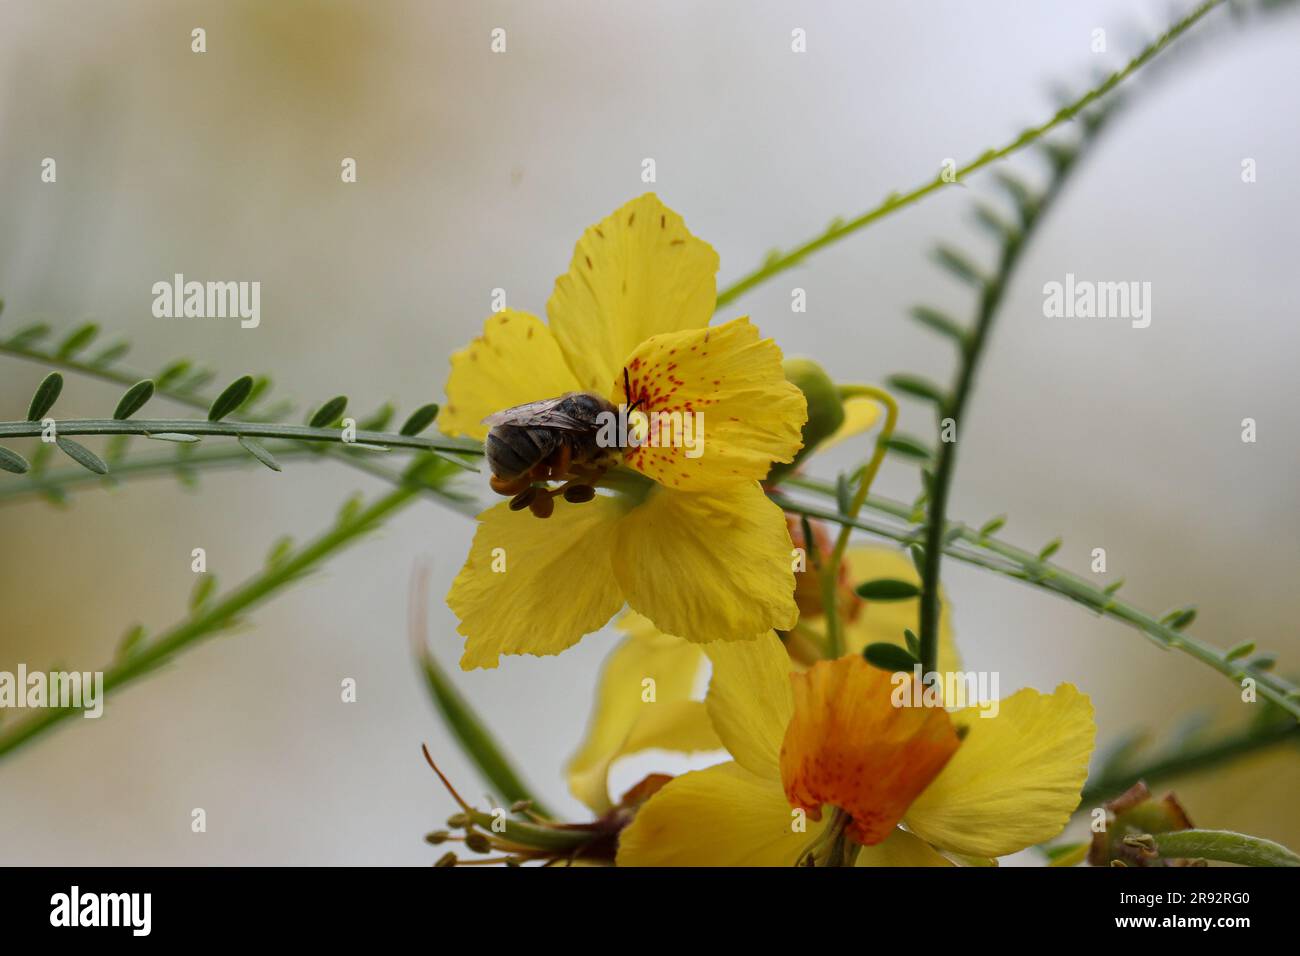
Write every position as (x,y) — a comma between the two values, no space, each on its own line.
(689,541)
(627,718)
(644,701)
(866,622)
(874,622)
(805,744)
(832,417)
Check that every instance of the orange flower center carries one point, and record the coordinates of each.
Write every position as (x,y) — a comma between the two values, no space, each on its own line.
(850,745)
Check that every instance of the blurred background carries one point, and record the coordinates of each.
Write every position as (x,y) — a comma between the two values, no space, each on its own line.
(479,170)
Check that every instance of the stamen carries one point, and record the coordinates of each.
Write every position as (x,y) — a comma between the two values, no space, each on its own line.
(492,861)
(577,494)
(522,500)
(445,782)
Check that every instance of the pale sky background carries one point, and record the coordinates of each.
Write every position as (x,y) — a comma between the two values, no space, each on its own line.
(479,171)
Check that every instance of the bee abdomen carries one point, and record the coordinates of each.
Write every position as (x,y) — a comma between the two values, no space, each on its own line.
(512,451)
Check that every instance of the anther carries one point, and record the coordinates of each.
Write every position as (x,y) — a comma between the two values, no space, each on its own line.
(447,859)
(577,494)
(542,506)
(477,842)
(458,821)
(522,500)
(436,837)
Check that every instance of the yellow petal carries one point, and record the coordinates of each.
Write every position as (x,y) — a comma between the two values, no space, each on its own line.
(901,849)
(722,816)
(750,701)
(708,567)
(876,621)
(1016,778)
(515,360)
(631,716)
(849,746)
(633,275)
(536,586)
(860,413)
(718,405)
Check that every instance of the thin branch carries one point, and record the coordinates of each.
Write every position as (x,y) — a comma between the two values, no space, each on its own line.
(953,407)
(894,202)
(16,347)
(830,572)
(217,615)
(470,731)
(55,482)
(1027,567)
(1189,759)
(149,428)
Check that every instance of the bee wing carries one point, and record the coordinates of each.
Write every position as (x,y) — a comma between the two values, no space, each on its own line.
(546,413)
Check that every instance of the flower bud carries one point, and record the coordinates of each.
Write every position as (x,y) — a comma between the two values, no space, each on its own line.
(807,583)
(825,409)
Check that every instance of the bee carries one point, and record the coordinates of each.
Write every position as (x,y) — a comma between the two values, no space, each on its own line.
(554,439)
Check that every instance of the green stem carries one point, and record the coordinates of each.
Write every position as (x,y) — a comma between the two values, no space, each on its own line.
(126,378)
(830,572)
(554,839)
(57,480)
(903,536)
(162,426)
(105,373)
(895,202)
(1025,566)
(953,408)
(1280,691)
(1223,846)
(473,736)
(219,614)
(941,482)
(1190,759)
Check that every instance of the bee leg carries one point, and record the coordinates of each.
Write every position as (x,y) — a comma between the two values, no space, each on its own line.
(592,474)
(560,462)
(604,463)
(510,486)
(578,483)
(581,484)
